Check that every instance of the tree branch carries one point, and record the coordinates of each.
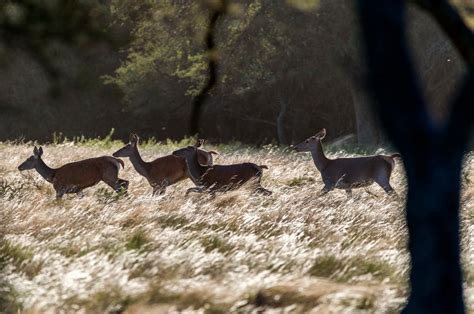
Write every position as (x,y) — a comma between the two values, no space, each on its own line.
(216,12)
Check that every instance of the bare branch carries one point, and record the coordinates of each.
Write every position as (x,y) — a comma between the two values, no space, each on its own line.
(198,102)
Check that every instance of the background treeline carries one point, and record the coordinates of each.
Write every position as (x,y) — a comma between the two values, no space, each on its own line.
(287,68)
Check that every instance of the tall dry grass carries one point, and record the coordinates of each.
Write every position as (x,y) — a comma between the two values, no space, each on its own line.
(293,251)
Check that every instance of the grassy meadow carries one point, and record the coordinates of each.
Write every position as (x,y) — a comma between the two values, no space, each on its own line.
(293,252)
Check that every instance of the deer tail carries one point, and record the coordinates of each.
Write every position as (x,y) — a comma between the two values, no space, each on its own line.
(396,155)
(391,159)
(120,161)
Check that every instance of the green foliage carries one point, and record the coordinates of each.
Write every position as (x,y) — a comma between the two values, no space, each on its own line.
(20,258)
(8,298)
(167,44)
(13,254)
(10,254)
(346,269)
(106,142)
(110,300)
(303,5)
(172,221)
(299,181)
(214,242)
(137,240)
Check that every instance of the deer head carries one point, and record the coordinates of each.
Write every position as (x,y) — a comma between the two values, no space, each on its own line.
(186,152)
(309,143)
(32,161)
(199,142)
(129,149)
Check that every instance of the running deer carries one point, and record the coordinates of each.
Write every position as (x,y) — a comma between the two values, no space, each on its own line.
(348,173)
(75,176)
(219,177)
(163,171)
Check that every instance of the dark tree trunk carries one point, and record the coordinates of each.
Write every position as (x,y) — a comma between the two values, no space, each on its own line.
(432,153)
(432,213)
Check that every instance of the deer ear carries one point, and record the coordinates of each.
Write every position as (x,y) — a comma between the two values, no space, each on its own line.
(133,138)
(40,151)
(35,151)
(322,134)
(199,142)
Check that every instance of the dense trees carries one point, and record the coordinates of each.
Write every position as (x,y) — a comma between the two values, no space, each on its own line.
(287,68)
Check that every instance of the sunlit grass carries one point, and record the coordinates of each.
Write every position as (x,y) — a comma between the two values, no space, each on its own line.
(239,252)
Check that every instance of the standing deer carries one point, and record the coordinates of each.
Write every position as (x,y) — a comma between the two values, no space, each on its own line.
(219,177)
(163,171)
(348,173)
(75,176)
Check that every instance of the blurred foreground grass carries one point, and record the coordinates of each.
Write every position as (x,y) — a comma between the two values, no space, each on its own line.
(292,251)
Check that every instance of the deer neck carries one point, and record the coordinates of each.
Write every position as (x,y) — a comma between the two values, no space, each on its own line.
(320,160)
(138,163)
(195,169)
(46,172)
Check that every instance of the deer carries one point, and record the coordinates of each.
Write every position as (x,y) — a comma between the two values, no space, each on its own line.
(163,171)
(75,176)
(349,173)
(219,178)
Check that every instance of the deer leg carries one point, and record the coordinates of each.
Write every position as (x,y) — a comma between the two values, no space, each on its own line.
(110,177)
(118,185)
(161,188)
(196,189)
(59,193)
(262,190)
(256,184)
(369,192)
(389,190)
(121,186)
(326,189)
(341,183)
(383,180)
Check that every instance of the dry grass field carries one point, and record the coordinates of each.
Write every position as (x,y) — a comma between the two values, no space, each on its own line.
(293,252)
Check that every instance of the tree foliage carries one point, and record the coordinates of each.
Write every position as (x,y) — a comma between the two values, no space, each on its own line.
(286,68)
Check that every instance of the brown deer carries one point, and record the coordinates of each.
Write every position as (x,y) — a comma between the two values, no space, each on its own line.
(75,176)
(163,171)
(219,177)
(348,173)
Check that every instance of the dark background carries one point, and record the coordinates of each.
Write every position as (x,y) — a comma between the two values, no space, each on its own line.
(285,72)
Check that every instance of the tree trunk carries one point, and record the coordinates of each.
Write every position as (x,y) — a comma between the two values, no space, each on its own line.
(433,225)
(432,154)
(367,126)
